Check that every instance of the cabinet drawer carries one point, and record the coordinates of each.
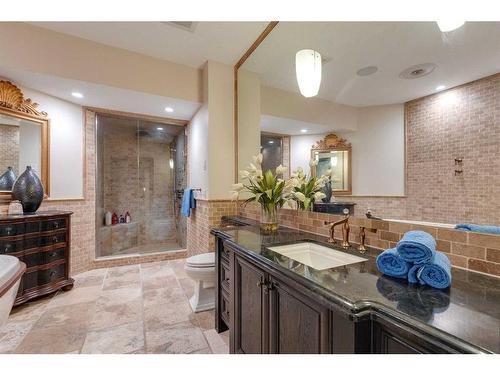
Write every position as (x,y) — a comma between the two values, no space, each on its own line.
(53,224)
(39,258)
(11,246)
(32,227)
(53,239)
(224,275)
(12,229)
(45,276)
(225,307)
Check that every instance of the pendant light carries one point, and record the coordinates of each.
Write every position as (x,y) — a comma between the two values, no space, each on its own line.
(308,70)
(449,25)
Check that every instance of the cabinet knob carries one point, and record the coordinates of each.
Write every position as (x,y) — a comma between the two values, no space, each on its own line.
(56,225)
(261,283)
(54,239)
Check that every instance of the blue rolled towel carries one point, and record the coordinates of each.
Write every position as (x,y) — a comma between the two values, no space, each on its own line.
(490,229)
(417,247)
(436,273)
(412,273)
(390,263)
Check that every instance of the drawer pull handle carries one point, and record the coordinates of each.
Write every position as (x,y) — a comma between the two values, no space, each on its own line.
(54,239)
(53,273)
(56,225)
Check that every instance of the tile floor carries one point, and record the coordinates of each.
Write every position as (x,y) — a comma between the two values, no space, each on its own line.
(130,309)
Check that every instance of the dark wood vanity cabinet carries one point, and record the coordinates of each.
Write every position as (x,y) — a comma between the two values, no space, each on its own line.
(297,324)
(42,242)
(268,312)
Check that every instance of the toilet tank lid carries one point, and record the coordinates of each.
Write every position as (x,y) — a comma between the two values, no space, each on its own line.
(8,267)
(201,260)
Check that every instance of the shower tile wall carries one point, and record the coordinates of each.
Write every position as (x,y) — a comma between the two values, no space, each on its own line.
(136,177)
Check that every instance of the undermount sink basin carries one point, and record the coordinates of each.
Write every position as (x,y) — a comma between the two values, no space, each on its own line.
(316,256)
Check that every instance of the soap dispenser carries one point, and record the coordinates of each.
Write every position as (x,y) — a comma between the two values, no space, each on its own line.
(128,218)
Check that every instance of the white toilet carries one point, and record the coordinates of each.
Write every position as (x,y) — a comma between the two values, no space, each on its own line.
(11,270)
(201,268)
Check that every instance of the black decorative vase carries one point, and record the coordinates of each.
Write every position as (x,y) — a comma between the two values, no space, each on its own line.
(327,189)
(28,189)
(7,179)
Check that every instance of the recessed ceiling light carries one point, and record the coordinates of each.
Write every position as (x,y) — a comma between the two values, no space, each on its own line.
(303,130)
(77,95)
(159,128)
(440,87)
(449,25)
(169,109)
(271,142)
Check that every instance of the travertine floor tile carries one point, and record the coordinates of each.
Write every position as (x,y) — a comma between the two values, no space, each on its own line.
(158,296)
(117,296)
(126,338)
(112,311)
(52,341)
(178,338)
(216,343)
(71,317)
(160,316)
(107,316)
(12,334)
(75,295)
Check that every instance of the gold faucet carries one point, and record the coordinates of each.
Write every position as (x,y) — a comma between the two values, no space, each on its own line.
(362,236)
(345,230)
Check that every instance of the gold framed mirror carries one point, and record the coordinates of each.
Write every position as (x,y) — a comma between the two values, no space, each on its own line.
(24,138)
(334,152)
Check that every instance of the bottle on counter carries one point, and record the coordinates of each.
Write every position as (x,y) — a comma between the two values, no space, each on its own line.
(128,218)
(108,218)
(114,219)
(122,219)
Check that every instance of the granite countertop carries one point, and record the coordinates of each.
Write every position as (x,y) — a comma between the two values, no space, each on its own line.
(467,314)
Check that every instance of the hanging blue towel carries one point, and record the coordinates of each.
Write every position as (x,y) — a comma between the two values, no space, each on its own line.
(490,229)
(436,273)
(392,264)
(188,202)
(416,246)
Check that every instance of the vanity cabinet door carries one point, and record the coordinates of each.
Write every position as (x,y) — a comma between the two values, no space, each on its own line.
(298,324)
(249,318)
(390,338)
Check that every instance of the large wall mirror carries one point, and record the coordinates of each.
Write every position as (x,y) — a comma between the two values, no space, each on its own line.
(405,116)
(24,139)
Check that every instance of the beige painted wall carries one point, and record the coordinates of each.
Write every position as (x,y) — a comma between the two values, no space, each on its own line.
(249,111)
(211,135)
(280,103)
(221,130)
(377,151)
(34,49)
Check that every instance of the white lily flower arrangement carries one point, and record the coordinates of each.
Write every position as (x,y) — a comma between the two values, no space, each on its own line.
(306,189)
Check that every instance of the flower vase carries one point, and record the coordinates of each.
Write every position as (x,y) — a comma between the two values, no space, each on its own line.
(269,218)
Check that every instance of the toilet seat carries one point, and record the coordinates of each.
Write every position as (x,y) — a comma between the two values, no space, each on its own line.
(206,260)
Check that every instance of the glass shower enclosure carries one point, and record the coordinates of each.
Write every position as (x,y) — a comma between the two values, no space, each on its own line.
(141,173)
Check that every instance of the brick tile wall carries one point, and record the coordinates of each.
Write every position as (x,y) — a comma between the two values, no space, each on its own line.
(463,122)
(9,148)
(207,215)
(473,251)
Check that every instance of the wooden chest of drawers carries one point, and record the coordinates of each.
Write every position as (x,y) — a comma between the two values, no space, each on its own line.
(42,242)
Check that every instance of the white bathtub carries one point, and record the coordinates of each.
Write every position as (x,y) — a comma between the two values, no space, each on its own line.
(11,270)
(427,223)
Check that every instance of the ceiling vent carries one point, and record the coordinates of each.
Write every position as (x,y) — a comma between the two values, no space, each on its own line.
(417,71)
(366,71)
(184,25)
